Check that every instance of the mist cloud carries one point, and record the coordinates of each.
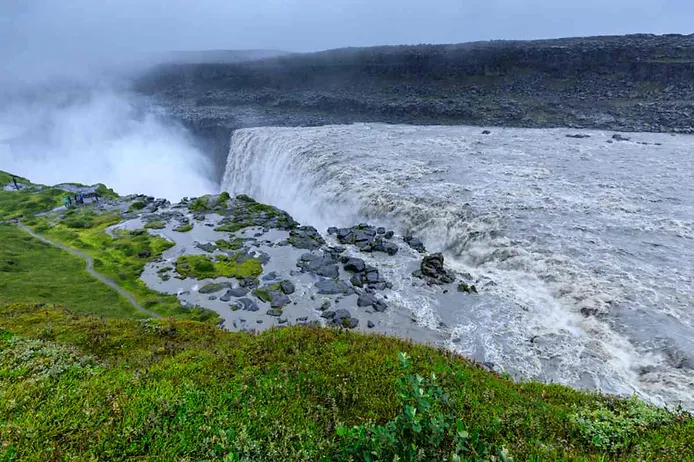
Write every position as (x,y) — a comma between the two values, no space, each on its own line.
(103,137)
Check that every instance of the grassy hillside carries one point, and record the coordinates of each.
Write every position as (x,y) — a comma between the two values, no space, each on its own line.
(83,378)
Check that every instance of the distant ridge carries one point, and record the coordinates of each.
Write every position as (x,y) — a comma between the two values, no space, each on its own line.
(219,56)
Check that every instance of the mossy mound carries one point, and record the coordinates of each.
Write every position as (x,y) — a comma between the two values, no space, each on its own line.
(184,228)
(204,267)
(243,212)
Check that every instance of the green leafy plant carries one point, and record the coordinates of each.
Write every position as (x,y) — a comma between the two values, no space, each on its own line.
(614,428)
(426,428)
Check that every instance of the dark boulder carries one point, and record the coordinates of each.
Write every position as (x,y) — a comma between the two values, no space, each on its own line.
(324,266)
(246,304)
(389,235)
(212,288)
(343,318)
(207,247)
(486,132)
(287,287)
(305,237)
(618,137)
(366,300)
(355,265)
(432,270)
(380,306)
(415,243)
(578,136)
(470,289)
(278,299)
(275,313)
(333,287)
(238,292)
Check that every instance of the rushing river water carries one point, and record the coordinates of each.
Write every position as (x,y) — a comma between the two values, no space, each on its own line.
(584,248)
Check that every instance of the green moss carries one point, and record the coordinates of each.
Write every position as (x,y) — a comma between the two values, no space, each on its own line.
(184,228)
(236,244)
(6,179)
(211,288)
(203,267)
(137,205)
(26,203)
(106,192)
(246,212)
(110,389)
(201,204)
(262,294)
(156,224)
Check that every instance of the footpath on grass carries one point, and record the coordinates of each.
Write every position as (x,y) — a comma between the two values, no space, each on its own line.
(91,270)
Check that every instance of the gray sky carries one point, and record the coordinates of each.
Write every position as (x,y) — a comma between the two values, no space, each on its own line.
(41,33)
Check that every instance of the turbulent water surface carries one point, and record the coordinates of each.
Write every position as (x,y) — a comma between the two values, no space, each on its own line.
(584,248)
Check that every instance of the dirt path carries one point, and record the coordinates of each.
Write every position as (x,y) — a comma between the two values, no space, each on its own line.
(90,270)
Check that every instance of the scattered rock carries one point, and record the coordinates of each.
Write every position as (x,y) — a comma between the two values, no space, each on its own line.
(278,299)
(207,247)
(380,230)
(578,136)
(212,288)
(246,304)
(486,132)
(333,287)
(366,300)
(275,313)
(370,324)
(463,287)
(287,287)
(415,243)
(305,237)
(354,265)
(324,266)
(367,238)
(271,276)
(618,137)
(342,318)
(144,254)
(389,235)
(325,305)
(238,291)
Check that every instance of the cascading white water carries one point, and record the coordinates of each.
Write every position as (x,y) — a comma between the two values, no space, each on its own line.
(586,245)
